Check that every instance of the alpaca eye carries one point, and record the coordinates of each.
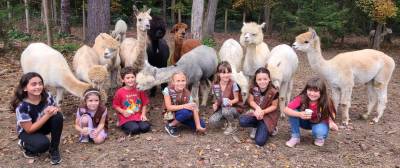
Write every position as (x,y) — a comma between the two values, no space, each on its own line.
(306,42)
(140,20)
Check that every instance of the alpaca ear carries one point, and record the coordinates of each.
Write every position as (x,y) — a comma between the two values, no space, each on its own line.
(148,11)
(262,25)
(313,33)
(173,30)
(244,23)
(278,64)
(135,10)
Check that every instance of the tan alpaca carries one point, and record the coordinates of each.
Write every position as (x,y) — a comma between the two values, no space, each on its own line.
(104,52)
(343,71)
(54,69)
(257,51)
(133,52)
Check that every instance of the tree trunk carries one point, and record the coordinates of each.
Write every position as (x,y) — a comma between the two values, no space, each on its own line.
(83,19)
(26,2)
(172,12)
(226,21)
(210,20)
(9,10)
(377,36)
(267,18)
(45,4)
(98,20)
(179,16)
(54,11)
(164,10)
(65,14)
(197,18)
(244,16)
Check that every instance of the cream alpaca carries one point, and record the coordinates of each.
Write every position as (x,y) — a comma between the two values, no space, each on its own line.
(119,31)
(343,71)
(257,51)
(54,69)
(104,52)
(282,65)
(133,52)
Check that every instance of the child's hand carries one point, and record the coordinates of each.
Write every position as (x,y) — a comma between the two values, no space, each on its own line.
(259,114)
(126,114)
(94,133)
(215,106)
(85,131)
(333,126)
(189,106)
(50,110)
(143,117)
(304,116)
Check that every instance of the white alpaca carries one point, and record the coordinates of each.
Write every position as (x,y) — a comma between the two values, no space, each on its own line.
(343,71)
(199,65)
(232,52)
(104,52)
(133,52)
(119,31)
(282,65)
(257,51)
(54,69)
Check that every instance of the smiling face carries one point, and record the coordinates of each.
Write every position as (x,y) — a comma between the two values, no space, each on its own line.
(262,80)
(179,81)
(129,80)
(92,102)
(313,94)
(34,87)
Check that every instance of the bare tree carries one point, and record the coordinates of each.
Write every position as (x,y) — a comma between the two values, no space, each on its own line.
(226,21)
(210,20)
(9,10)
(98,19)
(83,19)
(164,10)
(197,18)
(172,11)
(267,18)
(45,4)
(65,14)
(26,4)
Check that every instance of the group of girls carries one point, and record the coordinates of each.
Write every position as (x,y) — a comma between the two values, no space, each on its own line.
(37,114)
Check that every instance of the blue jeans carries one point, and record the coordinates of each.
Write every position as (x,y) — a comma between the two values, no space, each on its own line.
(262,130)
(185,117)
(319,130)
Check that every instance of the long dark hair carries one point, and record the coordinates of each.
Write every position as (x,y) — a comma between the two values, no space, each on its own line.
(222,67)
(324,101)
(258,71)
(20,94)
(100,109)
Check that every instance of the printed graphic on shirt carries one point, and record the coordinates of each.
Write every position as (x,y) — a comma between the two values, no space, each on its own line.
(132,104)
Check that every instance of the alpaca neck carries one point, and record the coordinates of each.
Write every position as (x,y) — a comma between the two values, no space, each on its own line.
(317,61)
(251,51)
(140,49)
(73,85)
(164,74)
(177,50)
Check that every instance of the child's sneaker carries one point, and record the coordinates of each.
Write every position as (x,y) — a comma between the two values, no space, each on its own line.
(171,130)
(27,154)
(275,132)
(319,142)
(292,142)
(55,157)
(230,129)
(84,139)
(253,133)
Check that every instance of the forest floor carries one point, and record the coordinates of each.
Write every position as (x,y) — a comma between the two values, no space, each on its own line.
(361,144)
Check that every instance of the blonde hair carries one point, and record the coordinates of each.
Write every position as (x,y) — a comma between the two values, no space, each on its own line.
(177,73)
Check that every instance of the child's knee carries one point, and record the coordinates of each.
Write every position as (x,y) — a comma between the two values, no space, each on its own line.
(261,140)
(99,139)
(41,146)
(85,120)
(183,115)
(145,128)
(320,131)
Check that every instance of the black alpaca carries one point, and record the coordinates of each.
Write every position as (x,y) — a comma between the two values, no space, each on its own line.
(157,50)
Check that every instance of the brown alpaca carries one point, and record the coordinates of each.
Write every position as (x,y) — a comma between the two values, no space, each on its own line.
(182,46)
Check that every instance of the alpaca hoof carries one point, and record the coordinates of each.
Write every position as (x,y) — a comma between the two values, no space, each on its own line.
(375,120)
(345,123)
(283,115)
(364,116)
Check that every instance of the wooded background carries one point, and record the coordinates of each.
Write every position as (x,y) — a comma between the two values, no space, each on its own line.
(333,19)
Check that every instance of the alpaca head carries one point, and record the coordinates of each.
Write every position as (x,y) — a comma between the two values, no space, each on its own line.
(98,75)
(142,18)
(180,30)
(158,28)
(276,74)
(251,34)
(308,41)
(145,79)
(243,83)
(109,45)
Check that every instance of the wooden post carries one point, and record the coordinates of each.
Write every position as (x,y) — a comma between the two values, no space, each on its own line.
(45,4)
(226,21)
(26,2)
(83,20)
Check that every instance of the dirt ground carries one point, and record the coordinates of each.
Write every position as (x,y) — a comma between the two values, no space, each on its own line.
(362,144)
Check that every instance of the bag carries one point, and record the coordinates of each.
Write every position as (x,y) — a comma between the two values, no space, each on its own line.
(168,116)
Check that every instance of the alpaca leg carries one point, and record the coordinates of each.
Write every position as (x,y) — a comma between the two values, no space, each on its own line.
(282,97)
(372,100)
(345,102)
(195,92)
(205,90)
(382,100)
(336,97)
(59,95)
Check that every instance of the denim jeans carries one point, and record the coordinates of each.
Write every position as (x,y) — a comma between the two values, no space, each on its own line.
(262,129)
(185,117)
(319,130)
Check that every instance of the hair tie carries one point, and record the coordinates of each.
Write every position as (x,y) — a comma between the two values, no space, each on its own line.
(92,91)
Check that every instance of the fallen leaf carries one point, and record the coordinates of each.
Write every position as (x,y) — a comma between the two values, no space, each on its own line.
(30,161)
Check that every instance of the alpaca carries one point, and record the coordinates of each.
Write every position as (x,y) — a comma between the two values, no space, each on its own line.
(343,71)
(54,69)
(387,33)
(157,50)
(257,52)
(232,52)
(282,65)
(199,65)
(182,46)
(120,30)
(133,52)
(104,52)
